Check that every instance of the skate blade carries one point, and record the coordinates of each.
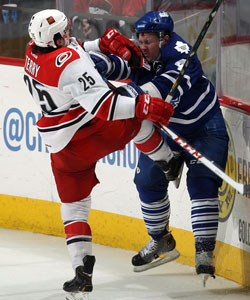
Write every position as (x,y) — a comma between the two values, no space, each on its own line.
(204,278)
(177,181)
(77,296)
(163,259)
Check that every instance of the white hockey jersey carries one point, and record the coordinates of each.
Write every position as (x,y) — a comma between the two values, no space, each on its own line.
(70,92)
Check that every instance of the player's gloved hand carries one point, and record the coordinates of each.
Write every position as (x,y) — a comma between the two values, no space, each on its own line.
(102,62)
(129,90)
(112,42)
(154,109)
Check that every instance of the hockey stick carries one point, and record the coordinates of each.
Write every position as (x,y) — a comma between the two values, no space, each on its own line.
(240,187)
(194,50)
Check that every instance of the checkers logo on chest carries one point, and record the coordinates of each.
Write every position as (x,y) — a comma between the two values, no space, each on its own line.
(62,58)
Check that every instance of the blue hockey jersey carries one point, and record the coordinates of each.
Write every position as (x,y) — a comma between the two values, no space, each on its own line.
(195,101)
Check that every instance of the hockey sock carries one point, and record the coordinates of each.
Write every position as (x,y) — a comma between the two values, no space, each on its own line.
(77,230)
(156,217)
(205,215)
(79,241)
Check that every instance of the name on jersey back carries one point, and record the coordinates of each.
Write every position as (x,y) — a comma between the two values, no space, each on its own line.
(31,66)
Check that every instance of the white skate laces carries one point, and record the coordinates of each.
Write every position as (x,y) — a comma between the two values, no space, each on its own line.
(149,249)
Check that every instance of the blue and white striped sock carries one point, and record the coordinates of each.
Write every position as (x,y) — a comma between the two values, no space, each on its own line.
(205,216)
(156,217)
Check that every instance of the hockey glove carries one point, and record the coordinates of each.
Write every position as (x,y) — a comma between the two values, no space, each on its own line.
(102,62)
(154,109)
(112,42)
(129,90)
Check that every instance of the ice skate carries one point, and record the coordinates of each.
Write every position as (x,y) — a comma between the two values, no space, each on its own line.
(155,253)
(204,265)
(173,168)
(81,285)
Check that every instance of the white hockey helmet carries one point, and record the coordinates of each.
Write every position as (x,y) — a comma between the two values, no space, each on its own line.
(45,24)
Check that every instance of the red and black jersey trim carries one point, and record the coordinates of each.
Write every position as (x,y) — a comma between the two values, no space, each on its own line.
(65,125)
(113,106)
(51,113)
(99,103)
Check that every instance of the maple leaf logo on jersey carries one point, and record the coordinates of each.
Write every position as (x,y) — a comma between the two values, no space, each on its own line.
(175,102)
(182,47)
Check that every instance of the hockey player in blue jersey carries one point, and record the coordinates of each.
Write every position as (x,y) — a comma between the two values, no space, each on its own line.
(197,118)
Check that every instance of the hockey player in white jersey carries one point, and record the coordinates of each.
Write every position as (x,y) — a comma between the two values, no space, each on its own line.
(198,119)
(82,121)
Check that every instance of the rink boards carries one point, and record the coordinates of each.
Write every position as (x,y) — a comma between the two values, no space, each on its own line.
(29,200)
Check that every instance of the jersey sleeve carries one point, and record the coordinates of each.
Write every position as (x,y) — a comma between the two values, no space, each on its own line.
(81,80)
(121,70)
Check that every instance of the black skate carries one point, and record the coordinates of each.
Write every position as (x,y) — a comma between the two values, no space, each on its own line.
(79,287)
(204,265)
(155,253)
(173,168)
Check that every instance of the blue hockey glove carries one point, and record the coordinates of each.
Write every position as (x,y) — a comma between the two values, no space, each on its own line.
(102,62)
(130,90)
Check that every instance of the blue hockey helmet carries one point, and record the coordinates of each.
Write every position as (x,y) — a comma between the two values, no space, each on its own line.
(159,22)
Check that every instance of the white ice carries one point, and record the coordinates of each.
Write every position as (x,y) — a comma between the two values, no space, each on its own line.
(35,266)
